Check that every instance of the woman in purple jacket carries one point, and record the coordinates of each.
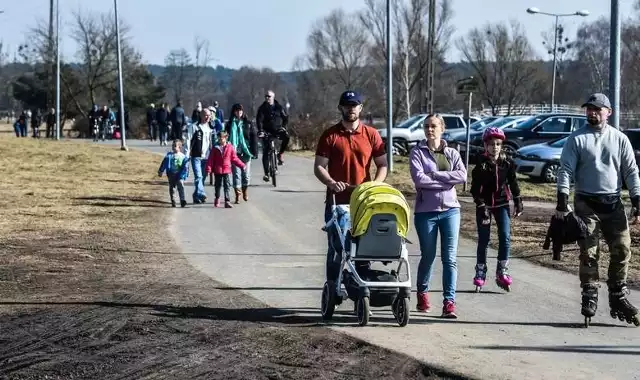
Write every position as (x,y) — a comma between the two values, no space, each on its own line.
(435,170)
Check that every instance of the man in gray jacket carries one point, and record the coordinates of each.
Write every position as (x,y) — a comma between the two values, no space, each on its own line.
(599,157)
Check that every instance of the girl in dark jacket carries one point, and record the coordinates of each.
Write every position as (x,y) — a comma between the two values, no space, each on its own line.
(493,185)
(244,138)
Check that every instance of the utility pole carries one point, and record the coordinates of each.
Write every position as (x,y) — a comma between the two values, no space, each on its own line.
(389,90)
(614,63)
(430,56)
(58,127)
(49,60)
(123,139)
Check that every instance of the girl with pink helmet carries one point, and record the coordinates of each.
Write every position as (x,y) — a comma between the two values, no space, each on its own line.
(493,186)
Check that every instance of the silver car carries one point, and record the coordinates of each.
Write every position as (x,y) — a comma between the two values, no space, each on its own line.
(537,167)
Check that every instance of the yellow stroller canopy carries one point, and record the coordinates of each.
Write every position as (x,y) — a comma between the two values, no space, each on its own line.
(372,198)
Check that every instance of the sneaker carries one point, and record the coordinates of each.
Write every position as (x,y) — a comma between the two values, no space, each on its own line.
(280,162)
(228,204)
(173,203)
(449,309)
(216,203)
(265,178)
(183,203)
(423,303)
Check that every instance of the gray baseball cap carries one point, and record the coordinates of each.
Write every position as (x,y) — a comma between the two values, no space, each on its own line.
(598,100)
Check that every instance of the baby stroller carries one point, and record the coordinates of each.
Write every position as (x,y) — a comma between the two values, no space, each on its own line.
(373,227)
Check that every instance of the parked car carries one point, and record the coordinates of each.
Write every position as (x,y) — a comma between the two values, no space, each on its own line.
(408,133)
(538,129)
(534,167)
(460,134)
(475,138)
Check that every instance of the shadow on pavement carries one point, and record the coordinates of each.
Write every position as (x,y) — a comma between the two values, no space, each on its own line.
(120,201)
(609,350)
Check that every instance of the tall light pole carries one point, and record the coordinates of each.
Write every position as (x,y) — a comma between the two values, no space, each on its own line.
(123,140)
(389,90)
(57,69)
(614,63)
(533,10)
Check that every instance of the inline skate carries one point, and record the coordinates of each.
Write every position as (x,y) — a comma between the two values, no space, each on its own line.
(589,302)
(503,279)
(620,306)
(480,277)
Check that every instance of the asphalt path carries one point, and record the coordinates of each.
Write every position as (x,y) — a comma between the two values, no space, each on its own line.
(273,249)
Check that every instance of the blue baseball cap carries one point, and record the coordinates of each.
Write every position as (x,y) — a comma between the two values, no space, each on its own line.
(349,98)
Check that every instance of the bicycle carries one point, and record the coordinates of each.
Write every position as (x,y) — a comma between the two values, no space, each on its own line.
(273,157)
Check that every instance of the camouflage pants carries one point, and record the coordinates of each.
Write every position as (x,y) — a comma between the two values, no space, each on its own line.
(614,227)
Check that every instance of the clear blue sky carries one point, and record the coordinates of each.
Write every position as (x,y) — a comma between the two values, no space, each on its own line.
(267,32)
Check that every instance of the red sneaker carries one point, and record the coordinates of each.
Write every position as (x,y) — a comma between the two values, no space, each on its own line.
(449,309)
(423,303)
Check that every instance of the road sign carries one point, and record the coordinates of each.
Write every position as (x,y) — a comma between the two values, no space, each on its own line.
(467,86)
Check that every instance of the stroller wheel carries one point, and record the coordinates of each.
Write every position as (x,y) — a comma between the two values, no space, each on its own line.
(400,310)
(328,303)
(363,311)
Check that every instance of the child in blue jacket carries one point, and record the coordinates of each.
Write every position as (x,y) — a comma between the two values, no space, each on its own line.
(175,164)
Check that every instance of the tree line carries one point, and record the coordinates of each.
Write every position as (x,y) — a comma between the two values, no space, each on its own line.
(344,50)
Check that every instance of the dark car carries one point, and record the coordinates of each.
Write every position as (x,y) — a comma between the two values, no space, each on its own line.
(538,129)
(634,137)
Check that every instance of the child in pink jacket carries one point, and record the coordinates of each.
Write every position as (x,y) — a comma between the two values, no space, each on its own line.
(220,159)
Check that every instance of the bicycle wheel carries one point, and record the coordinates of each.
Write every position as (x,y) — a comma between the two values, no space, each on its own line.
(274,167)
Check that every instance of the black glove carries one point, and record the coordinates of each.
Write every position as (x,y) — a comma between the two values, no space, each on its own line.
(563,202)
(519,207)
(483,214)
(635,206)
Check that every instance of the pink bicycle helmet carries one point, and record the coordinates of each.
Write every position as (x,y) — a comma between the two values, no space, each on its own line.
(492,133)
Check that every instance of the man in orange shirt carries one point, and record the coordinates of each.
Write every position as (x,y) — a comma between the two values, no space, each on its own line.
(343,158)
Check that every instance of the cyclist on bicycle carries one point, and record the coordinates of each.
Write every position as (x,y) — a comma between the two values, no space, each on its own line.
(343,157)
(271,120)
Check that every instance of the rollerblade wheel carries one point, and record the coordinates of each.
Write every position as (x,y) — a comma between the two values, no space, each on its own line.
(587,321)
(478,288)
(635,320)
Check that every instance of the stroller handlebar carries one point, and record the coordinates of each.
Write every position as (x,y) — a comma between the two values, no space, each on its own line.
(349,187)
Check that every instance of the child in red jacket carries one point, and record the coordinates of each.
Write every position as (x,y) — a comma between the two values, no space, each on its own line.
(220,159)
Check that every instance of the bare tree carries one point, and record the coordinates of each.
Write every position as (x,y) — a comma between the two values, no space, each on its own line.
(249,85)
(501,57)
(410,56)
(202,59)
(95,34)
(178,73)
(338,43)
(591,49)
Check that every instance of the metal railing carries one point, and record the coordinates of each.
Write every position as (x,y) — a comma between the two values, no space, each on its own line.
(534,109)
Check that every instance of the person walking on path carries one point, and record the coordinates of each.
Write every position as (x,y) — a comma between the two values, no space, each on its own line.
(199,137)
(493,186)
(599,159)
(435,170)
(176,165)
(344,155)
(243,137)
(223,156)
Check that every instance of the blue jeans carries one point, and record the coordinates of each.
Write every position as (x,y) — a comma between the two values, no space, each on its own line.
(333,267)
(427,226)
(241,177)
(503,221)
(197,164)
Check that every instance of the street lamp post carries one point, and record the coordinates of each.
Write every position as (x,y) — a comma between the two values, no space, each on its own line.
(614,63)
(57,69)
(123,140)
(533,10)
(389,91)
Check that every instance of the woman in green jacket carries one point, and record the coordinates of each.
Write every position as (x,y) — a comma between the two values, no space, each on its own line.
(244,138)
